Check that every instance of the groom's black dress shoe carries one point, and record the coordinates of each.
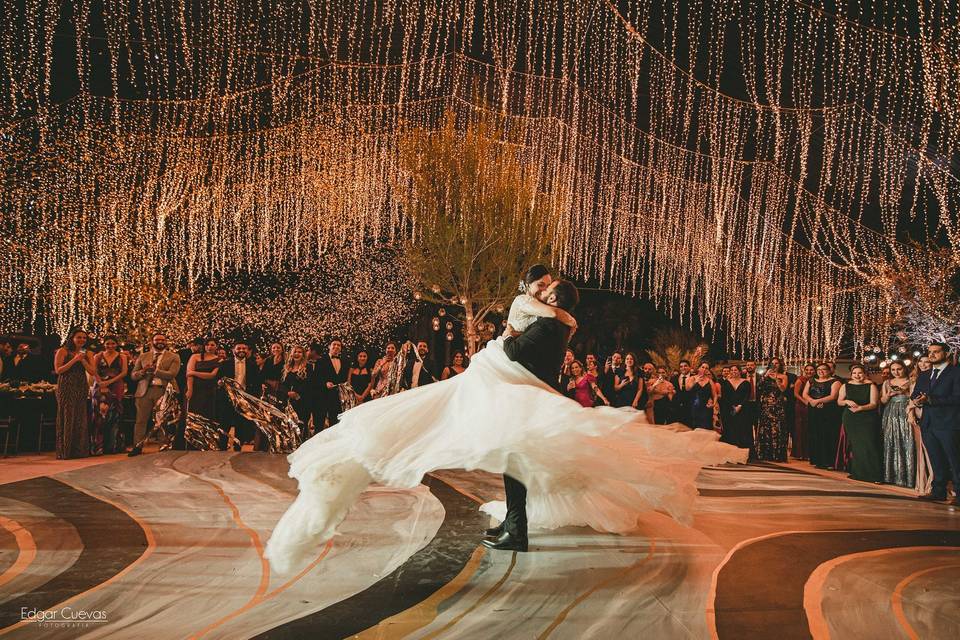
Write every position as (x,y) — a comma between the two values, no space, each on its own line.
(506,542)
(493,532)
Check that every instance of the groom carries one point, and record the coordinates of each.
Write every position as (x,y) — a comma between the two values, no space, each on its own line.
(540,349)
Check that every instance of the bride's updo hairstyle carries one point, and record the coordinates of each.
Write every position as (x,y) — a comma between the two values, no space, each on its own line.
(534,273)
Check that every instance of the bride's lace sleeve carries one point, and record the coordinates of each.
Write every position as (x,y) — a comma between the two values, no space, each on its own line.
(524,311)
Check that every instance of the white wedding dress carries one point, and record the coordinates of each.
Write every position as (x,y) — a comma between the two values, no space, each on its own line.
(596,467)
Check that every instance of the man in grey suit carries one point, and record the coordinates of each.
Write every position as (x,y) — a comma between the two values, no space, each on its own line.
(153,371)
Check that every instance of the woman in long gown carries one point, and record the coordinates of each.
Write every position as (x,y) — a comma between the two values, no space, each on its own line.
(800,450)
(772,430)
(71,363)
(359,378)
(702,399)
(823,417)
(924,483)
(625,387)
(861,424)
(202,370)
(734,400)
(899,446)
(595,467)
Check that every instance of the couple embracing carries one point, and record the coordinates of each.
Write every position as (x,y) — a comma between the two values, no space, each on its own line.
(563,464)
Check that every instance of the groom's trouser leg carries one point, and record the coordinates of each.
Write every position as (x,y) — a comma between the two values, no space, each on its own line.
(515,521)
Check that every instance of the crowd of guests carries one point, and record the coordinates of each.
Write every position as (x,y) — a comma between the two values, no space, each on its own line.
(901,429)
(315,380)
(872,430)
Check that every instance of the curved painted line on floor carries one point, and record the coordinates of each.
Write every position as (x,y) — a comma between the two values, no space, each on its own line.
(486,595)
(589,592)
(49,487)
(424,574)
(738,589)
(896,598)
(264,584)
(26,549)
(813,589)
(793,493)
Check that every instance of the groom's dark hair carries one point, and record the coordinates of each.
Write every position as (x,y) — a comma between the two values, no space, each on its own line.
(567,295)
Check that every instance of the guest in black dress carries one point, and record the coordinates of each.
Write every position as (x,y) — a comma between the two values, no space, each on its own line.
(701,398)
(202,369)
(295,383)
(273,368)
(625,387)
(457,367)
(823,417)
(359,378)
(734,412)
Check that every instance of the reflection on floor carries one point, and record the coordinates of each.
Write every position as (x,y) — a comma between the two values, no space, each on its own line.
(170,546)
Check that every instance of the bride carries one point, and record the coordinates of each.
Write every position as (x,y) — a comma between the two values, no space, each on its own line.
(595,467)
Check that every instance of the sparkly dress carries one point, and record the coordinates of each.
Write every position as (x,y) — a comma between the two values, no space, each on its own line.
(73,424)
(863,436)
(899,446)
(771,426)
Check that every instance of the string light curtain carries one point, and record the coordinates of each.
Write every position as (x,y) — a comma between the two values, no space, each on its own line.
(726,159)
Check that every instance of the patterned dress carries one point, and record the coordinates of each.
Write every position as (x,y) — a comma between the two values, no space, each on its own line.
(771,426)
(73,430)
(899,446)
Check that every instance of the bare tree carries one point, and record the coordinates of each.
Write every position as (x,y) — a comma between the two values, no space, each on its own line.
(481,216)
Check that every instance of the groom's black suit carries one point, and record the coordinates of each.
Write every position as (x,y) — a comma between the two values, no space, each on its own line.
(540,349)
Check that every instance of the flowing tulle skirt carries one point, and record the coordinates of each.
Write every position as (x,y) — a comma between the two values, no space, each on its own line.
(597,467)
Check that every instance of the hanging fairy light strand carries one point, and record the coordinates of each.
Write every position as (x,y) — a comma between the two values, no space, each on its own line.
(250,136)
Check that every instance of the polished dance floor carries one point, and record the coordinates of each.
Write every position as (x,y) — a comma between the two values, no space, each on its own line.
(170,545)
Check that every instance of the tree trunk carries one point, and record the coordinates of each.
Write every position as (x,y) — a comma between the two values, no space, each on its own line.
(471,337)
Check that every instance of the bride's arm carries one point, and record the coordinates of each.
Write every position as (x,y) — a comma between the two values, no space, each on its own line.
(544,310)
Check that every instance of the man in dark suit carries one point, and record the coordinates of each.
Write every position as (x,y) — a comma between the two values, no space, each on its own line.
(938,392)
(25,366)
(418,371)
(330,373)
(540,349)
(681,399)
(244,370)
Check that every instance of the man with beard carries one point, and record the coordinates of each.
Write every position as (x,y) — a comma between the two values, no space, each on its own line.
(244,370)
(153,371)
(681,401)
(419,370)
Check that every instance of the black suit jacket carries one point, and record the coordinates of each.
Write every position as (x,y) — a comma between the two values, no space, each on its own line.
(28,370)
(426,372)
(540,349)
(942,410)
(325,372)
(253,382)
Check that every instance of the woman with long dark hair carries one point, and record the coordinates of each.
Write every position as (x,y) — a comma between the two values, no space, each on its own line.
(457,366)
(202,369)
(772,429)
(72,363)
(359,377)
(625,387)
